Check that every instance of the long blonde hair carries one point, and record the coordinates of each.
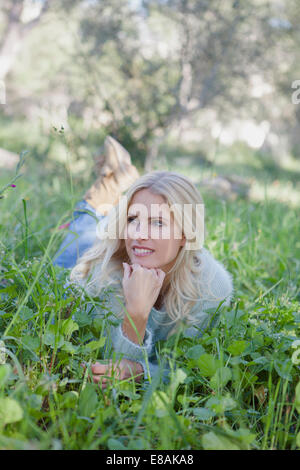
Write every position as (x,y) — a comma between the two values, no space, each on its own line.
(101,265)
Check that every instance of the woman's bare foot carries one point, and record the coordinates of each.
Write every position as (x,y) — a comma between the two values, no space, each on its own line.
(113,157)
(115,175)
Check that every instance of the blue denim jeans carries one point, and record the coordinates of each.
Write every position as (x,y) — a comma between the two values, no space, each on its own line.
(81,235)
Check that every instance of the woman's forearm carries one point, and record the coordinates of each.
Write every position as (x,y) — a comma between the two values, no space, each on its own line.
(140,323)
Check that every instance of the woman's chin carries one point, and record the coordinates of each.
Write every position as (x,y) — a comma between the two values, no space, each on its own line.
(144,263)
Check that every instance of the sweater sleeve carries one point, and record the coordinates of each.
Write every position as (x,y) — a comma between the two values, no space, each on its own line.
(128,348)
(116,339)
(144,354)
(218,291)
(110,311)
(152,368)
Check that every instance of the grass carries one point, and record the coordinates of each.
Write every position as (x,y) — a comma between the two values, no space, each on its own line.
(235,388)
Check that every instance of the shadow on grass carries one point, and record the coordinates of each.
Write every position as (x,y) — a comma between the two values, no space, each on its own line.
(255,165)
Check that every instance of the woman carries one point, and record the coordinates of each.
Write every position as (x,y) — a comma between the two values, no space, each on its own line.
(149,250)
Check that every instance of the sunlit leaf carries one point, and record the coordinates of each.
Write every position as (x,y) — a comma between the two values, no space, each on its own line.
(88,401)
(297,397)
(298,439)
(5,371)
(203,414)
(212,441)
(207,365)
(114,444)
(195,352)
(237,347)
(68,327)
(93,345)
(10,411)
(221,377)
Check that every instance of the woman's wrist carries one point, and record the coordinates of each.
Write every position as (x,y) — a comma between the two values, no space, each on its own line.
(137,332)
(137,368)
(135,312)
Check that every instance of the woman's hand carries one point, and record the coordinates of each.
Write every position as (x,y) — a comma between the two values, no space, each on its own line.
(141,288)
(120,370)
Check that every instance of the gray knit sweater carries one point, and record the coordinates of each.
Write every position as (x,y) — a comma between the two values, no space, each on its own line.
(216,284)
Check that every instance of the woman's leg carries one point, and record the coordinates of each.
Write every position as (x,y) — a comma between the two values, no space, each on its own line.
(115,175)
(81,235)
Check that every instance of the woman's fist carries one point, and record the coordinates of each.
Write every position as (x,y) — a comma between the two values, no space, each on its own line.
(123,369)
(141,288)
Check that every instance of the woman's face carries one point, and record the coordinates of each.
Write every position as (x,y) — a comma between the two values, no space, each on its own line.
(152,238)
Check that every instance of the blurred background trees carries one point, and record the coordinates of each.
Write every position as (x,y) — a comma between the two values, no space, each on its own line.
(200,74)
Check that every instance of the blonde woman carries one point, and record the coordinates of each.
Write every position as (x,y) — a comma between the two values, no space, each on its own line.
(148,249)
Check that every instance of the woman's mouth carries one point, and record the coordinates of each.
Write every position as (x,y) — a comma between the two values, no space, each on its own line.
(141,251)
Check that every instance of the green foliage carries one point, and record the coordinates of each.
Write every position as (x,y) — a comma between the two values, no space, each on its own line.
(138,74)
(10,411)
(297,398)
(88,401)
(236,387)
(17,175)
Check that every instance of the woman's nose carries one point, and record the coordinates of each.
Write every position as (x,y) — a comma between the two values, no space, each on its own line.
(141,232)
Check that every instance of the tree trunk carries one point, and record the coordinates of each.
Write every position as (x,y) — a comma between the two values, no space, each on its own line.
(153,152)
(9,50)
(8,160)
(14,36)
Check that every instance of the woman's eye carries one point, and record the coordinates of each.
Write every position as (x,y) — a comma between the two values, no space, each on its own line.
(130,219)
(159,223)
